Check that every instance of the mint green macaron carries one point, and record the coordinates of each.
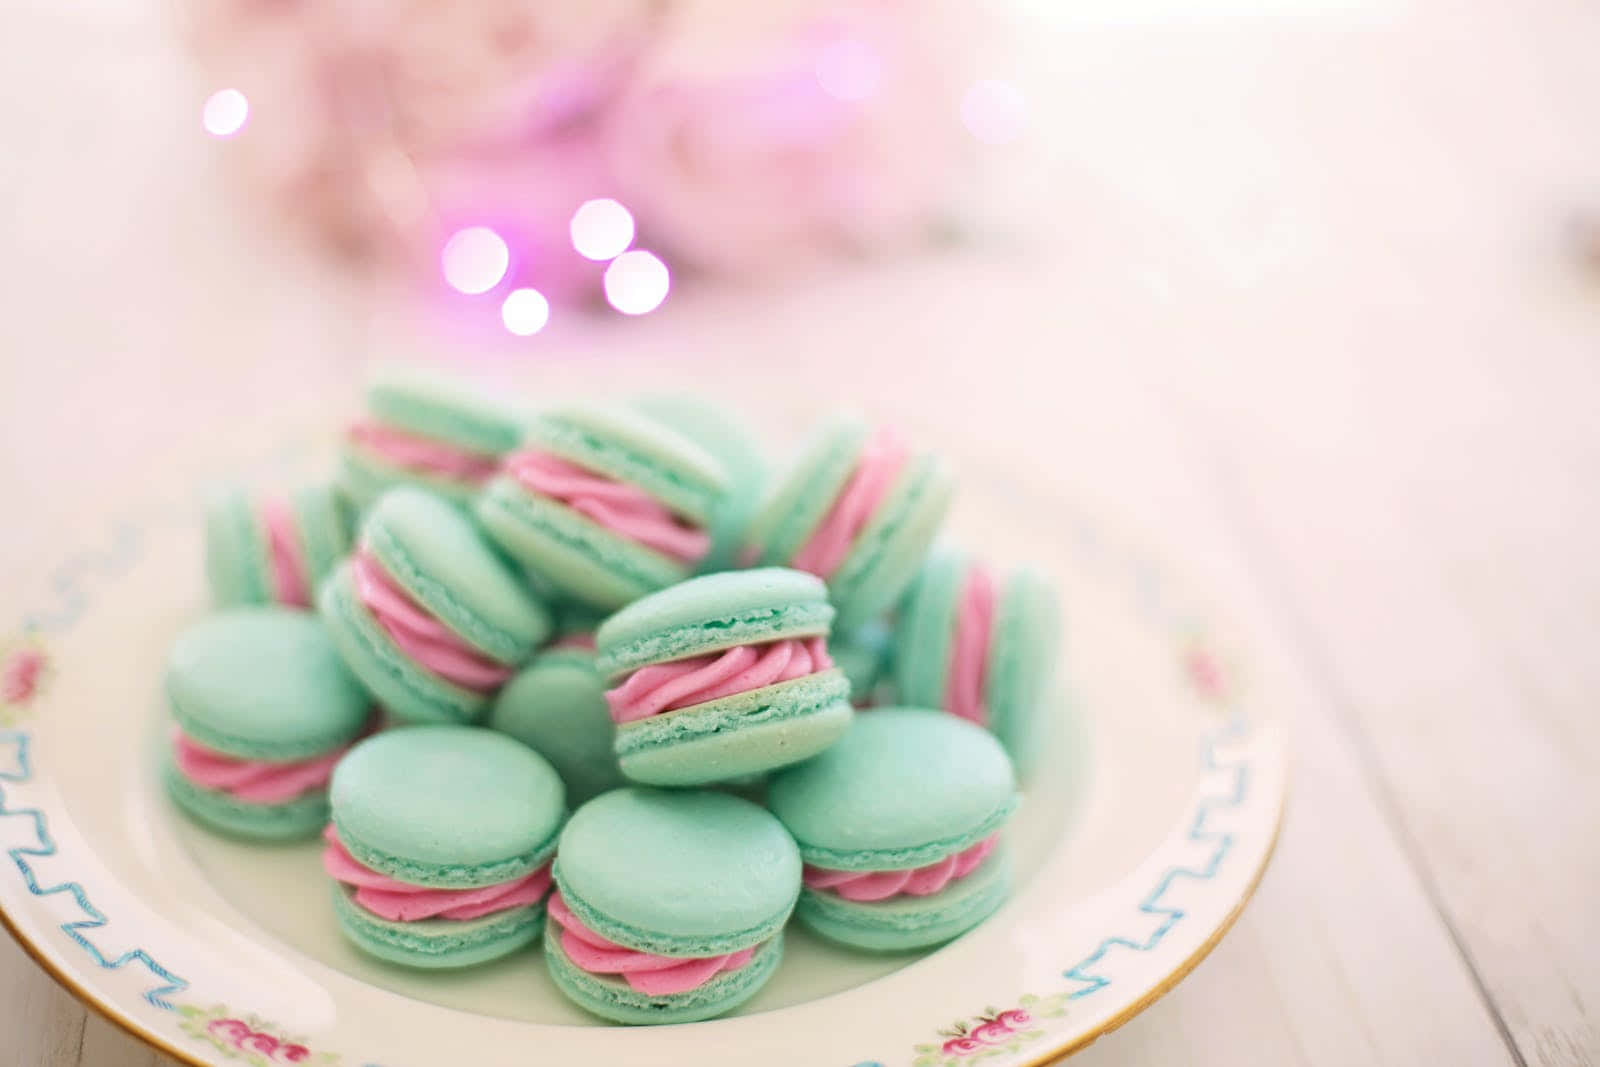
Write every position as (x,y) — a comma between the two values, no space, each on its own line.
(699,876)
(878,501)
(866,654)
(626,511)
(767,694)
(721,433)
(557,707)
(273,548)
(442,814)
(898,825)
(262,705)
(1012,626)
(425,612)
(430,430)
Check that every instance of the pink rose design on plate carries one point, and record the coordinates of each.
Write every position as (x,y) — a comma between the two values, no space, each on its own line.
(961,1046)
(20,675)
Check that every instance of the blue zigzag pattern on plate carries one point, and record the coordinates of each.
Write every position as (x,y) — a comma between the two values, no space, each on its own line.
(93,918)
(67,582)
(1152,904)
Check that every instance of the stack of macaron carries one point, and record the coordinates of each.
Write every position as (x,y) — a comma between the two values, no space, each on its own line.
(513,665)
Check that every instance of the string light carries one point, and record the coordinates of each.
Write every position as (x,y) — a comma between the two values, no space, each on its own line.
(601,229)
(636,283)
(475,259)
(525,312)
(225,112)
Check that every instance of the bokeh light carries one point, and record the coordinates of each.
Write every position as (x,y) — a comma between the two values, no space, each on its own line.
(849,70)
(525,312)
(475,259)
(601,229)
(225,112)
(636,283)
(994,111)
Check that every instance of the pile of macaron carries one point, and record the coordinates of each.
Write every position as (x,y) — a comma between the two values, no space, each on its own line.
(589,676)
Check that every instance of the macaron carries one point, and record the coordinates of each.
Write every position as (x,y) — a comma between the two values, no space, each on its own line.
(865,654)
(440,845)
(429,430)
(722,677)
(425,612)
(605,503)
(858,510)
(899,826)
(981,645)
(274,548)
(722,434)
(557,706)
(669,906)
(263,709)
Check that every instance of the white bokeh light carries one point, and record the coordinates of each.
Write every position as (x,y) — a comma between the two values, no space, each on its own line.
(994,111)
(525,312)
(636,283)
(475,259)
(601,229)
(225,112)
(849,70)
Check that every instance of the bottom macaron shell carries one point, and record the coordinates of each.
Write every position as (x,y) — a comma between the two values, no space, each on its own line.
(400,686)
(1022,667)
(738,736)
(909,922)
(437,943)
(888,552)
(583,559)
(612,998)
(302,817)
(236,553)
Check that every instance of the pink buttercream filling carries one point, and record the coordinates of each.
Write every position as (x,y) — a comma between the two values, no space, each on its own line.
(686,682)
(579,641)
(881,460)
(423,638)
(255,781)
(402,902)
(969,648)
(651,974)
(917,882)
(424,455)
(619,507)
(290,581)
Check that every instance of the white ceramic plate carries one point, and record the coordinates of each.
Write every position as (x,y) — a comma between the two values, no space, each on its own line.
(1145,827)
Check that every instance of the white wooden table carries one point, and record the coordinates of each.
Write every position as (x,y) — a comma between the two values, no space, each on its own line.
(1298,305)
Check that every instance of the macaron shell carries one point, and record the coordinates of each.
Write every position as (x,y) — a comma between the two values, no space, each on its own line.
(581,558)
(406,691)
(437,944)
(612,998)
(632,447)
(364,477)
(909,922)
(236,552)
(798,503)
(557,707)
(865,655)
(904,787)
(447,806)
(727,438)
(263,683)
(323,525)
(303,817)
(889,550)
(439,557)
(711,613)
(738,736)
(927,628)
(678,873)
(1022,660)
(435,405)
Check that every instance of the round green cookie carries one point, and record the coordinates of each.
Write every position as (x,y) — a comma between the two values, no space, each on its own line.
(557,706)
(238,554)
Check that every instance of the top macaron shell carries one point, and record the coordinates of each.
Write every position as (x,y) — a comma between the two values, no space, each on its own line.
(683,874)
(903,788)
(712,613)
(263,683)
(886,553)
(449,807)
(724,436)
(580,557)
(432,551)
